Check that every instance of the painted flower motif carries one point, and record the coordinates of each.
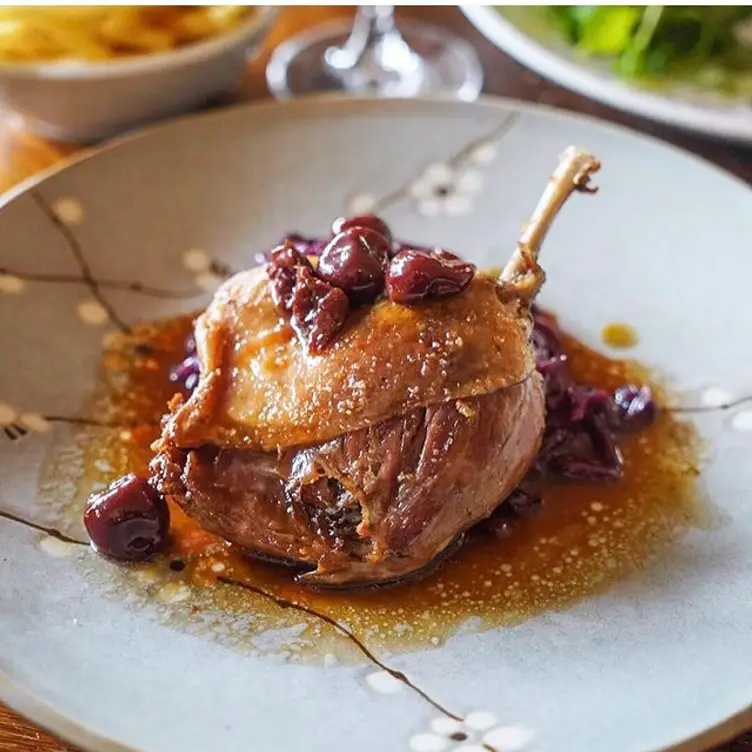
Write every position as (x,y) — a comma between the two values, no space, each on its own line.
(70,211)
(208,275)
(384,683)
(10,284)
(483,153)
(742,421)
(717,397)
(446,187)
(362,203)
(447,190)
(92,312)
(479,731)
(15,425)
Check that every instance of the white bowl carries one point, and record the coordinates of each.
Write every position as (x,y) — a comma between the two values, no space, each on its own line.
(90,101)
(521,32)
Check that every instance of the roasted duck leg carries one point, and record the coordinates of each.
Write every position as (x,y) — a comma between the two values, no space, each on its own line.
(364,463)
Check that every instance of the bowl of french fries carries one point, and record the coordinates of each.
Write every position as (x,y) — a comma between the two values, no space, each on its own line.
(85,73)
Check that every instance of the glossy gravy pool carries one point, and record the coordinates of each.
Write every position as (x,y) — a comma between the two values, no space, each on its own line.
(585,538)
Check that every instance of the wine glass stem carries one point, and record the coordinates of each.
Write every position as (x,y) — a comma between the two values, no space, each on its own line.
(374,33)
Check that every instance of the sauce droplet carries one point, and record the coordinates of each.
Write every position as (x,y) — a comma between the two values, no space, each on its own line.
(620,336)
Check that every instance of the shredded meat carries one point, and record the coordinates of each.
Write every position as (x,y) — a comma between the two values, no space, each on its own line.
(370,506)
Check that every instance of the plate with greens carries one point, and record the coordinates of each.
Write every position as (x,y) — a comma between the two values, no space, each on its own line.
(689,66)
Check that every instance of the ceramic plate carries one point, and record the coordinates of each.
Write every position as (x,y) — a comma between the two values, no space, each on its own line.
(145,229)
(522,32)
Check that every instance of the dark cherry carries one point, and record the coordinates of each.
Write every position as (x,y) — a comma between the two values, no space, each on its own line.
(319,310)
(284,262)
(415,275)
(186,373)
(369,221)
(634,408)
(355,260)
(127,521)
(398,246)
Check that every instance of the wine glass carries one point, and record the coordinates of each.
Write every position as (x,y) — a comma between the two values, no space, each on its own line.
(377,58)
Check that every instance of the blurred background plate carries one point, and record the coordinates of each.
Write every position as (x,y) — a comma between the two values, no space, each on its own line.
(82,100)
(524,33)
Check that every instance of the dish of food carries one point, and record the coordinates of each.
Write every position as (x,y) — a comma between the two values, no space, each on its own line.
(396,399)
(61,92)
(391,407)
(98,33)
(686,66)
(704,45)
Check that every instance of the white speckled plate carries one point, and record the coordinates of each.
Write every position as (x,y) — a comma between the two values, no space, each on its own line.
(522,31)
(656,660)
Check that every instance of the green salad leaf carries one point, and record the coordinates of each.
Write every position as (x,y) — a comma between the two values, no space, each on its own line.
(709,46)
(608,31)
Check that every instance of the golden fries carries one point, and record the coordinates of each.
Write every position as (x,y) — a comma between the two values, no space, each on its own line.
(31,34)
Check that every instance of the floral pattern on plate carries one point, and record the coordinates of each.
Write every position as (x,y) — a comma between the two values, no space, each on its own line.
(443,187)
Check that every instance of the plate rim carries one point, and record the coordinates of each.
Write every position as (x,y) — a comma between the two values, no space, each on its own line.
(490,101)
(39,712)
(34,710)
(609,90)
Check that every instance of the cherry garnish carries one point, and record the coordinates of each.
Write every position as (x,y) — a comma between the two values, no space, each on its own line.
(355,260)
(284,261)
(319,310)
(129,520)
(369,221)
(416,275)
(634,408)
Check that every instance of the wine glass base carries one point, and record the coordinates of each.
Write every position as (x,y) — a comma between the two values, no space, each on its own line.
(449,66)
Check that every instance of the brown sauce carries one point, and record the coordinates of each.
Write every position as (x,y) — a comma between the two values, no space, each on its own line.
(586,537)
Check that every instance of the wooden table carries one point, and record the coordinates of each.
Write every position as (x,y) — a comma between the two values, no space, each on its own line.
(22,154)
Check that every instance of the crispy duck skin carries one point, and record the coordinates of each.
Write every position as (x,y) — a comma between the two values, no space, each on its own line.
(366,462)
(263,391)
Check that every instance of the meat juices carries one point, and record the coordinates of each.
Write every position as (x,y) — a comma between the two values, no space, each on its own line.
(372,505)
(364,463)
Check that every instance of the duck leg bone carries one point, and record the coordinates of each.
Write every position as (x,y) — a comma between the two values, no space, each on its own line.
(522,277)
